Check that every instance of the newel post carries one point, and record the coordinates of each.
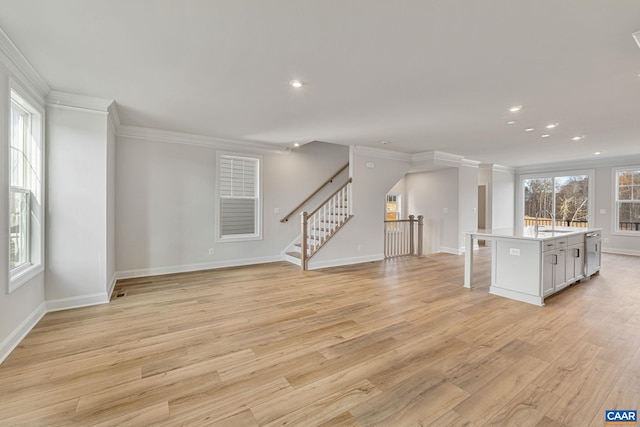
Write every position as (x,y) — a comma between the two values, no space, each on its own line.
(411,248)
(420,233)
(303,244)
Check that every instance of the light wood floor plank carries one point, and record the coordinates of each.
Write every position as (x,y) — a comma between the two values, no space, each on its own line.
(393,343)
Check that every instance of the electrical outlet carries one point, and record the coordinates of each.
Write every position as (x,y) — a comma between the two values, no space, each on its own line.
(606,240)
(276,210)
(210,251)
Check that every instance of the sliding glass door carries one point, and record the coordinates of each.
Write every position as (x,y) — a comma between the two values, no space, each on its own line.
(561,201)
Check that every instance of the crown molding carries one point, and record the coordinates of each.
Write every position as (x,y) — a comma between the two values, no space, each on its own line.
(114,117)
(497,168)
(470,163)
(199,140)
(633,160)
(380,153)
(63,99)
(439,157)
(19,66)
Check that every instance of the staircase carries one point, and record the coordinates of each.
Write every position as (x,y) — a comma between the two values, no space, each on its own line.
(319,226)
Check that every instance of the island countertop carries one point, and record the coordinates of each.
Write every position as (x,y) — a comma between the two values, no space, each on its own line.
(544,233)
(529,266)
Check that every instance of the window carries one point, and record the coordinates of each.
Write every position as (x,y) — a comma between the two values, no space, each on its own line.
(239,200)
(392,211)
(628,200)
(25,191)
(557,200)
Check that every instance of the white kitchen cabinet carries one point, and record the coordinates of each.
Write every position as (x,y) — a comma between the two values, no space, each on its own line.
(555,266)
(529,265)
(575,262)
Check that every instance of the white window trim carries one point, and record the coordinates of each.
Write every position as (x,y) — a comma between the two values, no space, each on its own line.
(24,274)
(552,174)
(240,237)
(398,203)
(614,203)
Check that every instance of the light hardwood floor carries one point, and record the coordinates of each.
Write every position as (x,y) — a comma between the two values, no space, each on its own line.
(395,343)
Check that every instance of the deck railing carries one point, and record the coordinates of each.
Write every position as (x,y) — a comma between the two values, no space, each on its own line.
(403,237)
(548,222)
(629,226)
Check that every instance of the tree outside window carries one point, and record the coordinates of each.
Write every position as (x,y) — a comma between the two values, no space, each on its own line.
(628,200)
(557,201)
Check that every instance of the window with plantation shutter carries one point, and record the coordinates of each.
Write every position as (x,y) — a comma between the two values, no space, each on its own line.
(238,197)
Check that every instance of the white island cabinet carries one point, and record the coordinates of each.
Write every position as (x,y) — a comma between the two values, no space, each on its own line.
(527,265)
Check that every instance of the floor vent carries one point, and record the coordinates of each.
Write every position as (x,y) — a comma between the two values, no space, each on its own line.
(121,294)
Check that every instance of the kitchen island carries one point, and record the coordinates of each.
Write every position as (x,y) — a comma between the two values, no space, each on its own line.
(529,264)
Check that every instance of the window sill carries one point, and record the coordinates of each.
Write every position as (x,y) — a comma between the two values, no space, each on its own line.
(23,276)
(626,233)
(238,238)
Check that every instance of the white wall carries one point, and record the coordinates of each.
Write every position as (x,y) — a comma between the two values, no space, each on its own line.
(500,182)
(21,309)
(111,208)
(400,188)
(467,201)
(604,200)
(435,195)
(77,215)
(502,199)
(362,238)
(165,204)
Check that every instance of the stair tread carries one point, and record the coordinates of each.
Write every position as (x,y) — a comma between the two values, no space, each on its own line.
(295,254)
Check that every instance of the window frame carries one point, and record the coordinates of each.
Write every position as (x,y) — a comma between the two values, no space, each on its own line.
(398,203)
(34,185)
(553,175)
(257,235)
(615,228)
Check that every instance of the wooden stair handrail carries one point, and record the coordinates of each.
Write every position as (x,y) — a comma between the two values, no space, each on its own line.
(337,198)
(327,182)
(349,181)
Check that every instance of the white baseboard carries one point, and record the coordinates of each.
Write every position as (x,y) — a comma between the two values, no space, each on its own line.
(112,285)
(144,272)
(452,251)
(18,334)
(344,261)
(620,251)
(77,302)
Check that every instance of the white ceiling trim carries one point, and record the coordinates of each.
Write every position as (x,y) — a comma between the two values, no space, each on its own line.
(470,163)
(63,99)
(576,164)
(497,168)
(437,157)
(199,140)
(17,64)
(380,153)
(114,117)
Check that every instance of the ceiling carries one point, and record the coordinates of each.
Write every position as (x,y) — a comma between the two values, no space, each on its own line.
(421,75)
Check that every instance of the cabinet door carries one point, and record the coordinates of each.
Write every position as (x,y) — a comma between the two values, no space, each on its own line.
(560,273)
(578,261)
(548,267)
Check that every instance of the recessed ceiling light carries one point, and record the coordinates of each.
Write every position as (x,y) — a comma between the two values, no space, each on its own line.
(546,135)
(577,138)
(296,144)
(295,83)
(529,130)
(597,153)
(552,125)
(384,142)
(515,108)
(511,122)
